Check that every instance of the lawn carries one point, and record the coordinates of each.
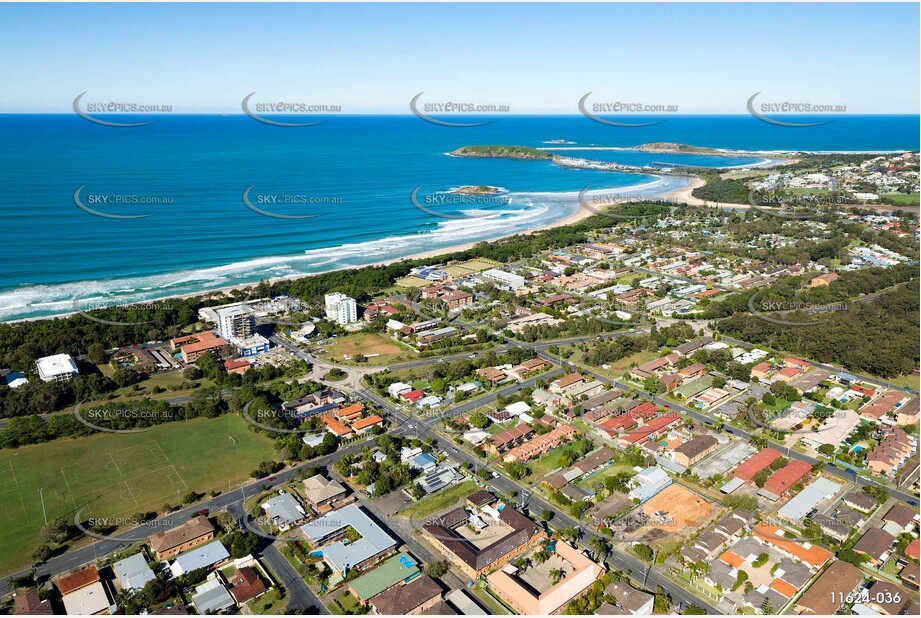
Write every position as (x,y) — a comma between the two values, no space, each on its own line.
(378,349)
(412,282)
(272,602)
(911,199)
(440,501)
(542,466)
(117,475)
(599,477)
(913,381)
(617,368)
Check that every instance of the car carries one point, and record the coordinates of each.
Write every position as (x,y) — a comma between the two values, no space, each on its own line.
(913,503)
(411,426)
(270,479)
(495,475)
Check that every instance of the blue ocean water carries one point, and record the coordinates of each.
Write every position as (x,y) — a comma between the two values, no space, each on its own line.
(356,172)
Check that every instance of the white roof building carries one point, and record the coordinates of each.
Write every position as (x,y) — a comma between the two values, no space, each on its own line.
(58,367)
(133,572)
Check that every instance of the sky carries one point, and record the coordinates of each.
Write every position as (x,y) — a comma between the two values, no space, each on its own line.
(535,58)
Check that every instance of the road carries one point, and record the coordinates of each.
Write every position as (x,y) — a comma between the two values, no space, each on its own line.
(529,500)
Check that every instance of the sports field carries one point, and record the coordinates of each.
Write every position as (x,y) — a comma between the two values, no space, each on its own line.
(117,475)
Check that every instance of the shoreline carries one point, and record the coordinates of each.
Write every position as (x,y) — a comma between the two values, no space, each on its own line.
(570,219)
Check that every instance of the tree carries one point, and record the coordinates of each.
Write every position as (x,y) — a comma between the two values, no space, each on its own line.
(96,353)
(479,420)
(541,556)
(643,551)
(521,564)
(557,575)
(827,449)
(436,568)
(42,553)
(601,548)
(55,531)
(661,604)
(547,515)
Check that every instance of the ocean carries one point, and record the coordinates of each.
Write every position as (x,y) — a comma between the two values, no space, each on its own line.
(331,196)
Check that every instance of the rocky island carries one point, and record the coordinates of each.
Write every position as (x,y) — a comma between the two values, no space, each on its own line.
(501,152)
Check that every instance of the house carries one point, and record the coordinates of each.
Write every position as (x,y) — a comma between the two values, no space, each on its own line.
(83,593)
(902,516)
(398,387)
(762,371)
(170,543)
(509,438)
(29,603)
(507,534)
(860,501)
(245,585)
(205,556)
(813,556)
(875,544)
(631,601)
(284,511)
(694,450)
(580,574)
(830,591)
(566,382)
(648,483)
(907,413)
(320,492)
(133,573)
(826,279)
(784,479)
(365,425)
(212,597)
(884,598)
(408,599)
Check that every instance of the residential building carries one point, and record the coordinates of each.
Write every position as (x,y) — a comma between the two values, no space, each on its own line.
(329,531)
(204,556)
(875,544)
(409,599)
(784,479)
(193,347)
(245,585)
(503,280)
(56,368)
(520,593)
(831,590)
(29,603)
(285,511)
(512,531)
(212,597)
(396,571)
(235,322)
(648,483)
(631,601)
(341,309)
(695,449)
(321,492)
(170,543)
(83,593)
(133,573)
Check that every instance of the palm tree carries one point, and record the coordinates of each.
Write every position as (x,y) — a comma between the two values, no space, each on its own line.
(556,575)
(601,547)
(521,564)
(542,556)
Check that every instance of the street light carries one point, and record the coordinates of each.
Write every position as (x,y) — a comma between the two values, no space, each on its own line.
(42,496)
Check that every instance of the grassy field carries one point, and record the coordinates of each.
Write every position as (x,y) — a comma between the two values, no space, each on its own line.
(904,198)
(440,501)
(617,368)
(118,475)
(344,349)
(599,477)
(913,381)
